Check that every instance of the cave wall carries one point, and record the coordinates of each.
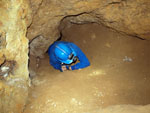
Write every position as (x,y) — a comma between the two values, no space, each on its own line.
(13,55)
(126,16)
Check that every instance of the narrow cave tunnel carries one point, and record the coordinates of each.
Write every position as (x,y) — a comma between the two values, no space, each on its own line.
(113,34)
(118,74)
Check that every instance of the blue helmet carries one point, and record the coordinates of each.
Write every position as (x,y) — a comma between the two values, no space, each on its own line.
(64,53)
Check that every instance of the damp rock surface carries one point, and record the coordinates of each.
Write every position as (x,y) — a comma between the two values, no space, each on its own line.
(13,55)
(126,16)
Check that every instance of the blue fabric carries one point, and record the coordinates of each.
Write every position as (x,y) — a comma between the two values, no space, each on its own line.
(84,62)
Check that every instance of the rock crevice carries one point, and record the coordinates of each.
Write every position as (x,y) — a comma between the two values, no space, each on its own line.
(129,17)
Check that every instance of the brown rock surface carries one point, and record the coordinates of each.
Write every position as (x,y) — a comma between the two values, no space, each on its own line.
(13,55)
(130,17)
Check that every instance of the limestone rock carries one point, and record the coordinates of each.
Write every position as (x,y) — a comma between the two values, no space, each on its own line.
(130,17)
(37,45)
(13,95)
(2,58)
(14,20)
(7,68)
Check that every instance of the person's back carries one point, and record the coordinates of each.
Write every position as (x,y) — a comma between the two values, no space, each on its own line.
(62,54)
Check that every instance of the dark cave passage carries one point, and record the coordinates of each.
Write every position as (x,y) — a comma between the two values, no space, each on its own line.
(118,75)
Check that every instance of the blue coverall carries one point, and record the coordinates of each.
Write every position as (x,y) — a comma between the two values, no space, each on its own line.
(84,62)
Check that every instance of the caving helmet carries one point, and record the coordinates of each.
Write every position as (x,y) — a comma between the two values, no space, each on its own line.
(65,54)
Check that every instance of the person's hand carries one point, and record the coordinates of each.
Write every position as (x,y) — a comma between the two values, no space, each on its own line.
(63,68)
(70,68)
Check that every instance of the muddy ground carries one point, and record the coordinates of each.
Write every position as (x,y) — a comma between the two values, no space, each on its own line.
(119,74)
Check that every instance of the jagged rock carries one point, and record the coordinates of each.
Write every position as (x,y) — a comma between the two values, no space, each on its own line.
(2,58)
(14,19)
(37,45)
(7,68)
(130,17)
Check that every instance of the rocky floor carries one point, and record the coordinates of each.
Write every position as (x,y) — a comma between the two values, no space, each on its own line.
(119,75)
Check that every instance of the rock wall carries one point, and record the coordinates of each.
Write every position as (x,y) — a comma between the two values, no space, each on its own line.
(128,16)
(13,55)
